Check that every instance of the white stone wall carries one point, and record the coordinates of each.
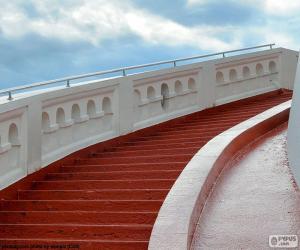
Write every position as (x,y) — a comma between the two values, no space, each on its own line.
(40,127)
(294,130)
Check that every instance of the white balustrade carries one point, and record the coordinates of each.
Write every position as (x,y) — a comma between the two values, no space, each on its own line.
(40,127)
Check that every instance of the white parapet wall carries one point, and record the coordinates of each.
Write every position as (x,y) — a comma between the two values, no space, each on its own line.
(294,130)
(40,127)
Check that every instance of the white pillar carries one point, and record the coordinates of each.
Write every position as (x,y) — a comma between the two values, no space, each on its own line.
(294,130)
(34,143)
(125,106)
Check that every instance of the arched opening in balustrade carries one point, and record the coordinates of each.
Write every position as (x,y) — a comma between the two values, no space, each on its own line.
(272,67)
(192,84)
(60,116)
(45,121)
(178,87)
(13,135)
(91,108)
(246,72)
(150,93)
(259,69)
(219,77)
(232,75)
(75,112)
(165,95)
(106,105)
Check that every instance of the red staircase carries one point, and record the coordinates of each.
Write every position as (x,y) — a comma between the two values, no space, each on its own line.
(110,198)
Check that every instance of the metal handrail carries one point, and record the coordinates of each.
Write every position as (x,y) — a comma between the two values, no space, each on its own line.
(123,70)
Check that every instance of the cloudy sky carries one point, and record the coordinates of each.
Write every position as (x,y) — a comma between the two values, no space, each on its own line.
(46,39)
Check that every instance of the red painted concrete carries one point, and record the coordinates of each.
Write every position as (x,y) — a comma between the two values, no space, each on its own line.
(121,183)
(253,198)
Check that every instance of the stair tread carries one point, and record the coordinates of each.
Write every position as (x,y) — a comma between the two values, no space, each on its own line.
(76,181)
(118,172)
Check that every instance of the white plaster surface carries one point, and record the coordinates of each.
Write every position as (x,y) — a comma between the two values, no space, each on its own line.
(293,141)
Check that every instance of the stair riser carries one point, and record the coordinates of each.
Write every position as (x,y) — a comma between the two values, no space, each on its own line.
(133,146)
(125,167)
(117,184)
(201,129)
(82,244)
(128,160)
(115,176)
(75,232)
(208,124)
(231,118)
(197,141)
(156,140)
(194,132)
(90,218)
(153,152)
(256,107)
(242,112)
(99,206)
(93,195)
(186,136)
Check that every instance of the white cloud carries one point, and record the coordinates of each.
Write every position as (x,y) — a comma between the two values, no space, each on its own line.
(159,30)
(280,21)
(199,2)
(95,21)
(273,7)
(98,20)
(282,7)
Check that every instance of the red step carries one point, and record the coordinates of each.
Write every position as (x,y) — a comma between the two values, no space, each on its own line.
(103,194)
(137,159)
(153,140)
(102,184)
(116,175)
(76,217)
(75,244)
(82,205)
(205,124)
(75,231)
(135,146)
(186,136)
(165,142)
(124,167)
(201,131)
(128,152)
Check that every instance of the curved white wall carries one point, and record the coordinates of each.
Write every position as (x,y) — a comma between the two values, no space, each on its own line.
(40,127)
(294,129)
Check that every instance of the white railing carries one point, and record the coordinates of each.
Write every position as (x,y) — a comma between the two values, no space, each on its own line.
(40,127)
(174,62)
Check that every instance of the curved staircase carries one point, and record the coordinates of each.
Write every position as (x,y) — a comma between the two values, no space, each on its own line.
(109,199)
